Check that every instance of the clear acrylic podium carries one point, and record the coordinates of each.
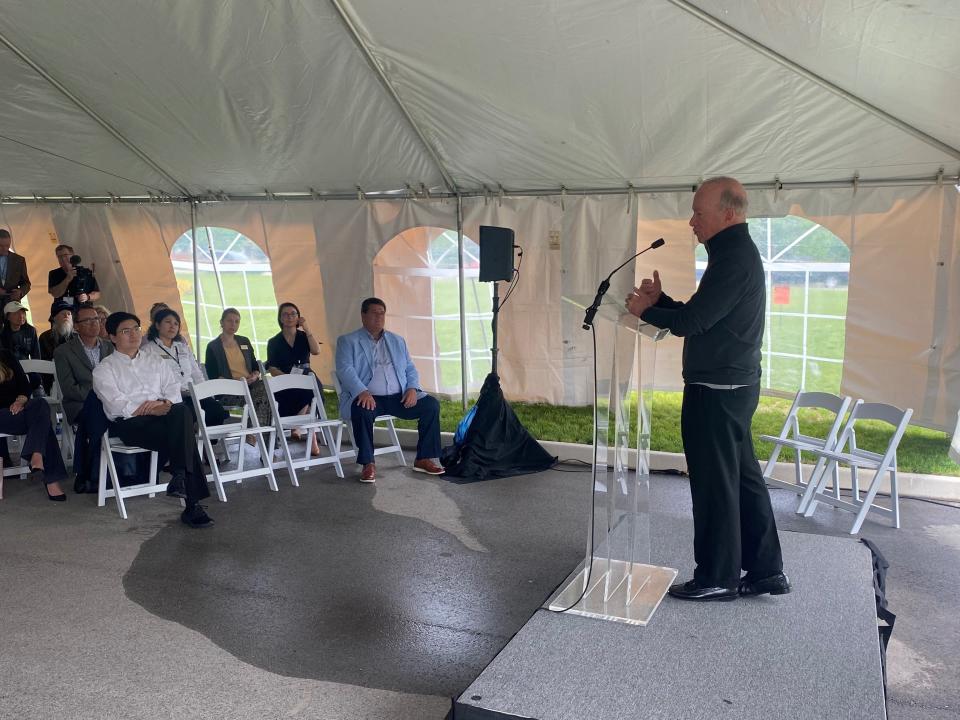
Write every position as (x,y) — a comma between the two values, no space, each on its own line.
(617,581)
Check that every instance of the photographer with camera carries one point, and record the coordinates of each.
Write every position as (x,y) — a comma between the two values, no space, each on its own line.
(72,283)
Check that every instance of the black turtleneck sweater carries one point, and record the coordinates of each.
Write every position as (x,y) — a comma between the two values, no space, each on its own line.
(722,322)
(17,385)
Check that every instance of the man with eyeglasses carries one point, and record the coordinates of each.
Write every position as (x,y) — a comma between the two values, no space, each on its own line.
(74,362)
(141,396)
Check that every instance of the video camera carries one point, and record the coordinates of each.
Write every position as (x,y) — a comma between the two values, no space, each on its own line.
(83,282)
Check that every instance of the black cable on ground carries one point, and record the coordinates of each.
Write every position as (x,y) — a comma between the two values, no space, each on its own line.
(593,486)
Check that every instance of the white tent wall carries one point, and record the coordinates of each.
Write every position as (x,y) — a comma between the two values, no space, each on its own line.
(903,317)
(599,233)
(530,337)
(902,337)
(401,280)
(141,273)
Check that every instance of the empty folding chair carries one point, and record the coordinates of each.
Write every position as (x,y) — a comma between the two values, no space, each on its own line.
(246,425)
(387,420)
(792,437)
(847,452)
(313,422)
(109,446)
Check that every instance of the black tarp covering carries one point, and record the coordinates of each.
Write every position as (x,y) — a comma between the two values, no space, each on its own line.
(496,444)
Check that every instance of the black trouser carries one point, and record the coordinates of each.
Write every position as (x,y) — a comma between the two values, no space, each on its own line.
(733,520)
(213,412)
(172,435)
(34,422)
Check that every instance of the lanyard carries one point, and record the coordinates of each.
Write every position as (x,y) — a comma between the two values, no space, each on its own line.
(175,358)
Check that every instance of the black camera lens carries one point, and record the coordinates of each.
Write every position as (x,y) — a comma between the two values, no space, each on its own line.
(75,260)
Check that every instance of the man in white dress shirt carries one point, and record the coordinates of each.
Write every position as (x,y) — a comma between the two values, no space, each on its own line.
(141,396)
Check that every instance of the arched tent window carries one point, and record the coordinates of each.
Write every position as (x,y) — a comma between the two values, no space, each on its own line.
(807,269)
(233,272)
(416,275)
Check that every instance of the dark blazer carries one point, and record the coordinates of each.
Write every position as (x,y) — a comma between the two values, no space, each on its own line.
(75,373)
(216,358)
(16,275)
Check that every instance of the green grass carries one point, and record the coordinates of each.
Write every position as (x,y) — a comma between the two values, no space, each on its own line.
(921,450)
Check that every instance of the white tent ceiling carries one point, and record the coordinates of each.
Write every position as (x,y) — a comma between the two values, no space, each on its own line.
(241,96)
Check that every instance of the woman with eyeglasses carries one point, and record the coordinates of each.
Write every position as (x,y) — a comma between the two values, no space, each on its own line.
(103,312)
(288,352)
(164,340)
(231,356)
(22,415)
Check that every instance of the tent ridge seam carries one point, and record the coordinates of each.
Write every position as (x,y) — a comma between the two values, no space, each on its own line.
(341,8)
(92,114)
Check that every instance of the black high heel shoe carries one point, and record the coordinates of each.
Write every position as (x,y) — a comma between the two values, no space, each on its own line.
(37,474)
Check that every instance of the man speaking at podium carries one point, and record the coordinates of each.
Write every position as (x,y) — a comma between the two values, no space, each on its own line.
(722,328)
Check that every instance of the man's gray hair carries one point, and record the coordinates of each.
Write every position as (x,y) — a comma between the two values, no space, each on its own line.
(732,196)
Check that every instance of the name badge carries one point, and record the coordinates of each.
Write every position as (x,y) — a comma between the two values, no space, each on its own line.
(244,347)
(296,371)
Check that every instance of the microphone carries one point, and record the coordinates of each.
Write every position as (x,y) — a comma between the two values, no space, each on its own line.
(605,285)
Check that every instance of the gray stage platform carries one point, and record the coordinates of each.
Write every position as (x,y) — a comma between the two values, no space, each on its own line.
(811,654)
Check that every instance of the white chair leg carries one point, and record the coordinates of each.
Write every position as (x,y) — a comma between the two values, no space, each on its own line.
(102,480)
(895,498)
(394,440)
(333,444)
(288,459)
(867,501)
(267,462)
(117,492)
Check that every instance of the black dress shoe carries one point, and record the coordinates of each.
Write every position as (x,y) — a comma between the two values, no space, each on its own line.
(176,487)
(693,590)
(778,584)
(84,486)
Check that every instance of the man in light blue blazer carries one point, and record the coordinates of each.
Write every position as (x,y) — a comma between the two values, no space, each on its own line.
(378,377)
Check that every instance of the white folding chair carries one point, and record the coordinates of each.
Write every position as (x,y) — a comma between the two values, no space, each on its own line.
(313,422)
(109,446)
(387,420)
(55,401)
(237,430)
(13,470)
(847,452)
(792,437)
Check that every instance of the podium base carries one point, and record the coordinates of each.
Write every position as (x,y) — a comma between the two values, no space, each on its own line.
(618,591)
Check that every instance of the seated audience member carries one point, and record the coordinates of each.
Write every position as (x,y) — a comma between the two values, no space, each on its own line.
(77,357)
(154,309)
(141,397)
(18,336)
(103,312)
(288,352)
(14,283)
(378,377)
(22,415)
(231,356)
(74,361)
(167,342)
(68,284)
(61,328)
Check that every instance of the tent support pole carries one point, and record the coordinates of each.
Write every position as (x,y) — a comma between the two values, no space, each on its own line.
(813,77)
(196,273)
(464,350)
(92,114)
(341,8)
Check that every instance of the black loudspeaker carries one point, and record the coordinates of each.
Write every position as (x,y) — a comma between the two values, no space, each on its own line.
(496,253)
